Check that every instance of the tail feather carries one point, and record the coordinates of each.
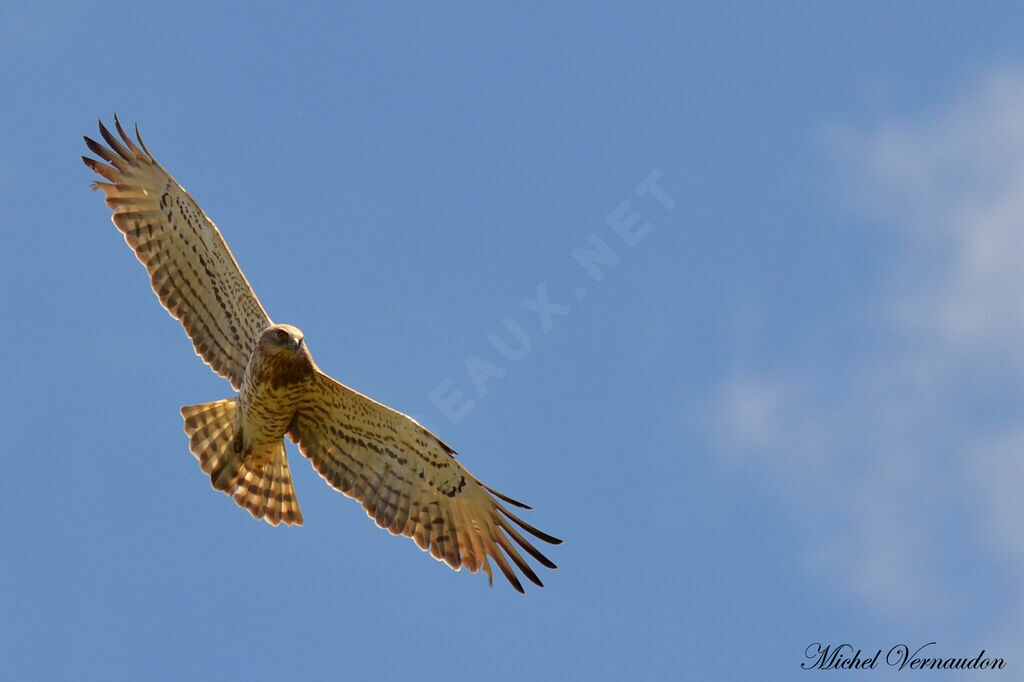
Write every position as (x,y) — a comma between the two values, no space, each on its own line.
(210,428)
(265,490)
(268,493)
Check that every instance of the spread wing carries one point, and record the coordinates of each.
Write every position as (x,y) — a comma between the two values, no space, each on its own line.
(192,269)
(410,482)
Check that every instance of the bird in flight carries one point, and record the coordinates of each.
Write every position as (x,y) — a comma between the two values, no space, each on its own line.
(407,479)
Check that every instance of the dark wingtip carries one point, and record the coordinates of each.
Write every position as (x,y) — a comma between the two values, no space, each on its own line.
(506,498)
(533,578)
(138,136)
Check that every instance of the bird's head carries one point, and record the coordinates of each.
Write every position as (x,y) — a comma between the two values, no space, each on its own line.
(283,337)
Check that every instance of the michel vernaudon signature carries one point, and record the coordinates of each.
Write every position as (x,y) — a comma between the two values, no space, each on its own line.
(900,656)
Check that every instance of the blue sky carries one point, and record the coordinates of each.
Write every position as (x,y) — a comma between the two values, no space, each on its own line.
(790,412)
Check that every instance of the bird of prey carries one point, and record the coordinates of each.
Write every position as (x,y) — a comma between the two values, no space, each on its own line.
(407,479)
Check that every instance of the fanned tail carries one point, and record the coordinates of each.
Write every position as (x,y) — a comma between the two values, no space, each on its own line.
(266,491)
(210,428)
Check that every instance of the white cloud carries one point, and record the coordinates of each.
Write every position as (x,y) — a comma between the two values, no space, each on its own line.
(955,183)
(915,444)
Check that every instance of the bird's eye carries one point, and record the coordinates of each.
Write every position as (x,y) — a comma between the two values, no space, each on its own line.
(282,335)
